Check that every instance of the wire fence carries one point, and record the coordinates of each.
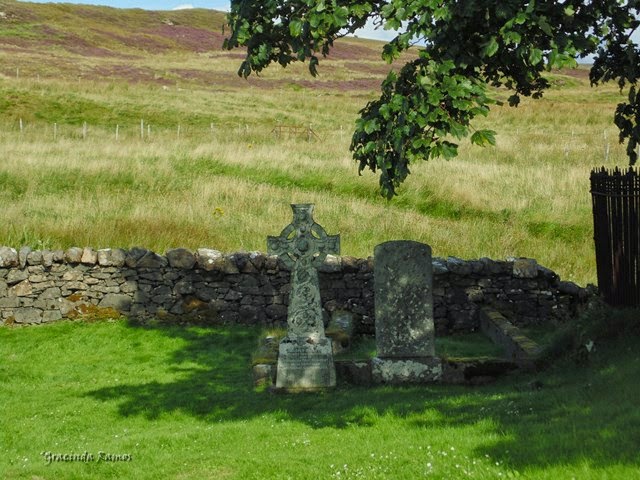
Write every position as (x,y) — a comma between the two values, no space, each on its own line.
(148,131)
(598,144)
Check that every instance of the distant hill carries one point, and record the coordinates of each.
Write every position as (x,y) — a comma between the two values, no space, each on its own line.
(92,42)
(105,31)
(97,30)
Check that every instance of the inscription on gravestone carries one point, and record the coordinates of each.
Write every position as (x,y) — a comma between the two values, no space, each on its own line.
(305,359)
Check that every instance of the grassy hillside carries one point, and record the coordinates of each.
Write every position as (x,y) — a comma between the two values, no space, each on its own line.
(155,141)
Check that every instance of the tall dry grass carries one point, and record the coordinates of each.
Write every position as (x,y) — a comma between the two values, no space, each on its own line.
(230,186)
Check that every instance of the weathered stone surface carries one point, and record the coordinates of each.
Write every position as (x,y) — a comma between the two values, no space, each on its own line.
(276,311)
(569,288)
(305,358)
(133,255)
(47,258)
(410,370)
(51,315)
(49,293)
(264,374)
(72,276)
(119,302)
(525,268)
(75,286)
(8,257)
(151,260)
(9,302)
(340,330)
(181,258)
(459,266)
(73,255)
(305,366)
(21,289)
(35,258)
(28,315)
(403,285)
(332,263)
(243,262)
(89,256)
(518,348)
(207,258)
(213,260)
(439,266)
(39,278)
(108,257)
(22,256)
(17,276)
(258,259)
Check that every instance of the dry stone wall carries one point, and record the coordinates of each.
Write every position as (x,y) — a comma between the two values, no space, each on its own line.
(207,286)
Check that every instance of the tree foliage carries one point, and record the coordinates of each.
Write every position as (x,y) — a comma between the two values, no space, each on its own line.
(463,48)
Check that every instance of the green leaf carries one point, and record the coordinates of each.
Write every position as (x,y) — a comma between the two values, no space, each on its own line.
(491,47)
(512,37)
(295,28)
(535,56)
(448,150)
(340,16)
(371,126)
(483,137)
(544,26)
(520,18)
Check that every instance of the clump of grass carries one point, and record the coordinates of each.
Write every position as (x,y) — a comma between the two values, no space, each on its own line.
(579,338)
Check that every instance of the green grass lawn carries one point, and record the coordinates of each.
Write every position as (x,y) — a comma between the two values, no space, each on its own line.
(180,401)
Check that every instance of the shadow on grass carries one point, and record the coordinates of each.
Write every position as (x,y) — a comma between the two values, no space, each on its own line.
(578,414)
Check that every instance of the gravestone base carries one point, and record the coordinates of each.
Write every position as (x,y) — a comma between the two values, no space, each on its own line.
(305,365)
(410,370)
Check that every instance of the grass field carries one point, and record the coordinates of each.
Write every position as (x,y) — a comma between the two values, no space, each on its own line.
(180,402)
(230,186)
(195,162)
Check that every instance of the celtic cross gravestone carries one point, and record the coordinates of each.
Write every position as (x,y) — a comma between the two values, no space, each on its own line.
(305,359)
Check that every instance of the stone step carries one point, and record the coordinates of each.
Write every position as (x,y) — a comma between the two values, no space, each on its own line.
(518,347)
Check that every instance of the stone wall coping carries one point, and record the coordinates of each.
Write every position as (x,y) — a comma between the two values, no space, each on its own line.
(252,261)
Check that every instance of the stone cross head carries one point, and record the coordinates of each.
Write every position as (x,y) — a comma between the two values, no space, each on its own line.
(303,240)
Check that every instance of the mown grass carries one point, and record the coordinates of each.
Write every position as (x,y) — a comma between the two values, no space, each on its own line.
(179,400)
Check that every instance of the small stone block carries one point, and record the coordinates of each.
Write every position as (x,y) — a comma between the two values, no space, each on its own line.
(89,256)
(410,370)
(8,257)
(181,258)
(525,268)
